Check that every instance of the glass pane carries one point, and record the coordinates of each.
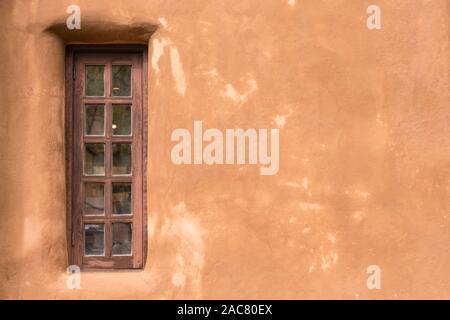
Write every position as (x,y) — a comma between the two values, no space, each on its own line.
(94,162)
(121,124)
(121,197)
(121,81)
(121,238)
(95,120)
(94,239)
(94,202)
(121,158)
(95,82)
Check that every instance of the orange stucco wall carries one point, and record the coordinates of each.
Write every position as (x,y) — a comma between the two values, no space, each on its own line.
(364,173)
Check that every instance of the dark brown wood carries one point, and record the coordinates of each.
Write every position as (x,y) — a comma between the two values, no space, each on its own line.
(144,152)
(68,126)
(76,58)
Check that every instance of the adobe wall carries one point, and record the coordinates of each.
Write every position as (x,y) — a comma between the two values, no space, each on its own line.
(364,148)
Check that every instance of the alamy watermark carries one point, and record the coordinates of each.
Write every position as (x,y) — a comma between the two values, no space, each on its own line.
(73,281)
(215,147)
(374,280)
(374,20)
(74,20)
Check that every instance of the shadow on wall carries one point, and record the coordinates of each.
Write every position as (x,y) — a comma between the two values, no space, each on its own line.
(105,32)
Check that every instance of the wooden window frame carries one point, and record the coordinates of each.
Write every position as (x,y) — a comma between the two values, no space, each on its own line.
(74,234)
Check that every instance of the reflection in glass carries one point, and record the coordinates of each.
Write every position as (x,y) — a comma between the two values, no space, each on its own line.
(121,81)
(94,201)
(121,238)
(95,120)
(121,159)
(95,82)
(94,239)
(121,123)
(94,161)
(121,197)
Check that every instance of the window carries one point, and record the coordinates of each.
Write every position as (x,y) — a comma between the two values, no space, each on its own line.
(106,156)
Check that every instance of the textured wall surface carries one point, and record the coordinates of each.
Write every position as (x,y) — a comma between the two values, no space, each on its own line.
(364,118)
